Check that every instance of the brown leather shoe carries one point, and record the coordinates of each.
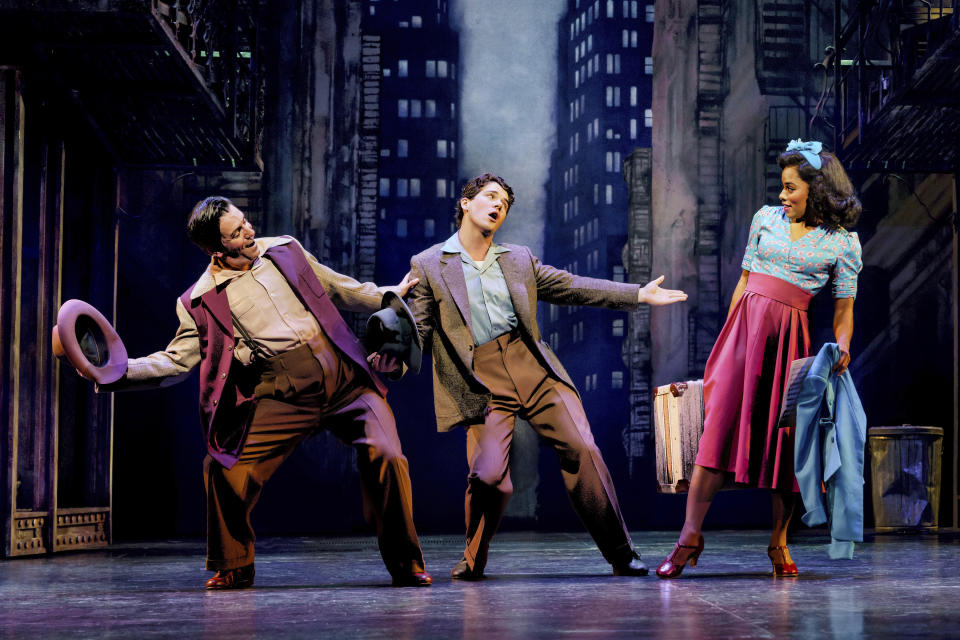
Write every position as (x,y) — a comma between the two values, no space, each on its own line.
(422,579)
(462,571)
(239,578)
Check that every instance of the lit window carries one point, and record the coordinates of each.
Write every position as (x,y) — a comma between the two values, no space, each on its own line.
(416,108)
(609,96)
(633,8)
(453,149)
(609,194)
(431,68)
(442,68)
(403,67)
(416,21)
(453,110)
(649,13)
(402,187)
(386,72)
(648,117)
(626,38)
(626,8)
(619,273)
(384,187)
(431,109)
(429,228)
(590,43)
(633,96)
(616,379)
(596,194)
(403,24)
(401,227)
(414,187)
(609,8)
(648,65)
(609,160)
(609,63)
(441,188)
(618,327)
(384,153)
(633,39)
(402,148)
(403,108)
(633,128)
(441,148)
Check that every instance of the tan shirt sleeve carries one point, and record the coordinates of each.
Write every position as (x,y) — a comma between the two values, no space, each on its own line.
(163,368)
(345,292)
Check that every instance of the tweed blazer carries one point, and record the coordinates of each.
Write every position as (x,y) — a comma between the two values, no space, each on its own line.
(441,307)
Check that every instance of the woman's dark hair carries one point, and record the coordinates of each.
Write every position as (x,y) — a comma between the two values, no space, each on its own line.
(203,227)
(474,186)
(831,201)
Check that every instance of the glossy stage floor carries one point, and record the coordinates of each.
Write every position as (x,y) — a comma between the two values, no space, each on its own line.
(540,586)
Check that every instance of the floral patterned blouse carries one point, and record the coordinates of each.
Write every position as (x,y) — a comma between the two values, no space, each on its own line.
(808,262)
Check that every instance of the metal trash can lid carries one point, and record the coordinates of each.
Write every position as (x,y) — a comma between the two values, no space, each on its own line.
(904,430)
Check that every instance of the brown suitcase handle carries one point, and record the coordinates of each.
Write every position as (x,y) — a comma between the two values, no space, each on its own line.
(677,389)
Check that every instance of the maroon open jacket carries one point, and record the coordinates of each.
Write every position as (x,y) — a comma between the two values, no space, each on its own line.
(225,411)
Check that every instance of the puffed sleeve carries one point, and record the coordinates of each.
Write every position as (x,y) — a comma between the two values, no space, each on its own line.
(849,263)
(753,240)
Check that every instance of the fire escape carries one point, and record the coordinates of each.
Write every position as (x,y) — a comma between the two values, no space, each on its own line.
(88,87)
(896,112)
(164,84)
(710,93)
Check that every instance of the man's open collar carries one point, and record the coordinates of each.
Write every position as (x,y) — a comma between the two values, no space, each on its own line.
(206,282)
(452,245)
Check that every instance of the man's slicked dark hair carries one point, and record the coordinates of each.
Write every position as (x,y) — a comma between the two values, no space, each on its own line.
(474,186)
(203,227)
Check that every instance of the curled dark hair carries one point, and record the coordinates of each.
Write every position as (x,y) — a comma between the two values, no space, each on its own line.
(831,201)
(203,227)
(474,186)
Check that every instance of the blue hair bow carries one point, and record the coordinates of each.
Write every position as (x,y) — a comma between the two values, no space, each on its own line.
(810,150)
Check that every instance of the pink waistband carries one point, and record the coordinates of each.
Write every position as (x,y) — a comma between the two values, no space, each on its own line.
(779,290)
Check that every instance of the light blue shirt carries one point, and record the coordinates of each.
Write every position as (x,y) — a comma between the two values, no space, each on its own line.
(491,309)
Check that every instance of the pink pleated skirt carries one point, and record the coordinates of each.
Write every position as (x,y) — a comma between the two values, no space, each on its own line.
(743,385)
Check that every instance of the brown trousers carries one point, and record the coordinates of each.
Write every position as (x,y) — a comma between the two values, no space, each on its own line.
(300,392)
(522,387)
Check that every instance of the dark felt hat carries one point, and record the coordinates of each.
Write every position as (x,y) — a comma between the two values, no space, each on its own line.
(87,340)
(393,331)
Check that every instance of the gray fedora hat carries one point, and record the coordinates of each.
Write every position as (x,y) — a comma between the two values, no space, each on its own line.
(84,338)
(393,331)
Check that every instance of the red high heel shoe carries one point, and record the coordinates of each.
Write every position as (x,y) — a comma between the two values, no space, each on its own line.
(682,555)
(781,567)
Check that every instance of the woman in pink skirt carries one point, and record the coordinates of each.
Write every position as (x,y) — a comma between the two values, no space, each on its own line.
(792,251)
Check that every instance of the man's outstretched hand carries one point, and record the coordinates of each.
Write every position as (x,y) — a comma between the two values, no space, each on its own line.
(405,285)
(653,294)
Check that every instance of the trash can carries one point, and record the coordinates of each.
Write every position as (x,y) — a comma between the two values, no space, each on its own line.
(905,467)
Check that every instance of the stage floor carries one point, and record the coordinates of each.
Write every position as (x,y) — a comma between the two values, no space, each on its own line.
(539,586)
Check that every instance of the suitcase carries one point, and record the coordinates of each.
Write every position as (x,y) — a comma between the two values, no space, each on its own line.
(678,424)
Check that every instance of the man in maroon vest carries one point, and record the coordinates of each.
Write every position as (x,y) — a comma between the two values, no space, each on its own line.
(277,363)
